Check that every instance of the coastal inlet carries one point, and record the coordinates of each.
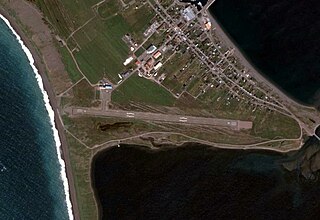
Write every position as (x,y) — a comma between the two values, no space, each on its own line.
(199,182)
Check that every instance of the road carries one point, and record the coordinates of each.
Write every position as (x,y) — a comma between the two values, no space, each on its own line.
(182,119)
(294,110)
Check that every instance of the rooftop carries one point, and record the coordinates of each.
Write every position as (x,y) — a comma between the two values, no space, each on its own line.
(188,14)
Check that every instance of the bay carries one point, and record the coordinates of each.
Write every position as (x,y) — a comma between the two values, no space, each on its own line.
(199,182)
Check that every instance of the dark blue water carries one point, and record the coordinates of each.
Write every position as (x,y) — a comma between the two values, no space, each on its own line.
(196,182)
(30,184)
(281,38)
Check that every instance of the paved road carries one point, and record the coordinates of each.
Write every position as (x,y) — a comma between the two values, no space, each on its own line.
(233,124)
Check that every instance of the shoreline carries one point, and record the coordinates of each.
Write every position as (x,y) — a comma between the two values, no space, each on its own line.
(59,125)
(253,70)
(168,146)
(50,101)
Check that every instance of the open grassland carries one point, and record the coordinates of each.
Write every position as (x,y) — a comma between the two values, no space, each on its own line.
(57,15)
(81,94)
(267,124)
(98,130)
(102,49)
(93,31)
(108,8)
(80,157)
(69,64)
(273,125)
(141,90)
(138,20)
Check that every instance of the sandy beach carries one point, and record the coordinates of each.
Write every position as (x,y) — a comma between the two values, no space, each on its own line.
(42,66)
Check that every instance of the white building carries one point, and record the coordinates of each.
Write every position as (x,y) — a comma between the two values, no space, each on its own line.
(157,66)
(127,61)
(188,14)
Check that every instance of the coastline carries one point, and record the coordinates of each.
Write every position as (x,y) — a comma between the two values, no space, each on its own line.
(293,154)
(257,74)
(59,124)
(165,146)
(53,113)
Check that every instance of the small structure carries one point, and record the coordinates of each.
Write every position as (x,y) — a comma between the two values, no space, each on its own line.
(150,30)
(138,62)
(151,49)
(125,74)
(149,64)
(106,86)
(188,14)
(128,60)
(156,55)
(157,66)
(208,25)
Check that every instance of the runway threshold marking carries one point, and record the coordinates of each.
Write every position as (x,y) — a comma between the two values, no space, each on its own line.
(130,115)
(183,119)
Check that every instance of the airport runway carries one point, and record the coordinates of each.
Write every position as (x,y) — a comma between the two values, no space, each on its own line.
(148,116)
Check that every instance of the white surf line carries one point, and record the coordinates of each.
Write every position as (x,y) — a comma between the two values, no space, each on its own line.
(50,111)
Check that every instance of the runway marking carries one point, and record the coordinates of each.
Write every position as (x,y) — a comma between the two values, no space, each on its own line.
(130,115)
(183,119)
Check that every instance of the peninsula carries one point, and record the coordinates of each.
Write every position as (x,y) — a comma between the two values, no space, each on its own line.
(149,72)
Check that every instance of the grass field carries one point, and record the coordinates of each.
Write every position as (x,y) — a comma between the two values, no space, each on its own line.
(70,66)
(275,126)
(96,31)
(139,20)
(102,49)
(141,90)
(80,158)
(57,15)
(108,8)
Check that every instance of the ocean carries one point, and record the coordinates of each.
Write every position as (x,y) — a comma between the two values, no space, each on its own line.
(280,38)
(32,178)
(198,182)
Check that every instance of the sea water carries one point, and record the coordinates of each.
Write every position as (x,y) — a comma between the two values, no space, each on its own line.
(280,37)
(198,182)
(32,177)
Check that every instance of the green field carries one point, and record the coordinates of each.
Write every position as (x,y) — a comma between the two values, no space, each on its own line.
(95,31)
(141,90)
(69,64)
(275,126)
(109,8)
(80,158)
(102,49)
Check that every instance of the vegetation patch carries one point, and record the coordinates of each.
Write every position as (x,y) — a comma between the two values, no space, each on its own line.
(141,90)
(102,50)
(80,158)
(274,125)
(83,94)
(108,8)
(70,66)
